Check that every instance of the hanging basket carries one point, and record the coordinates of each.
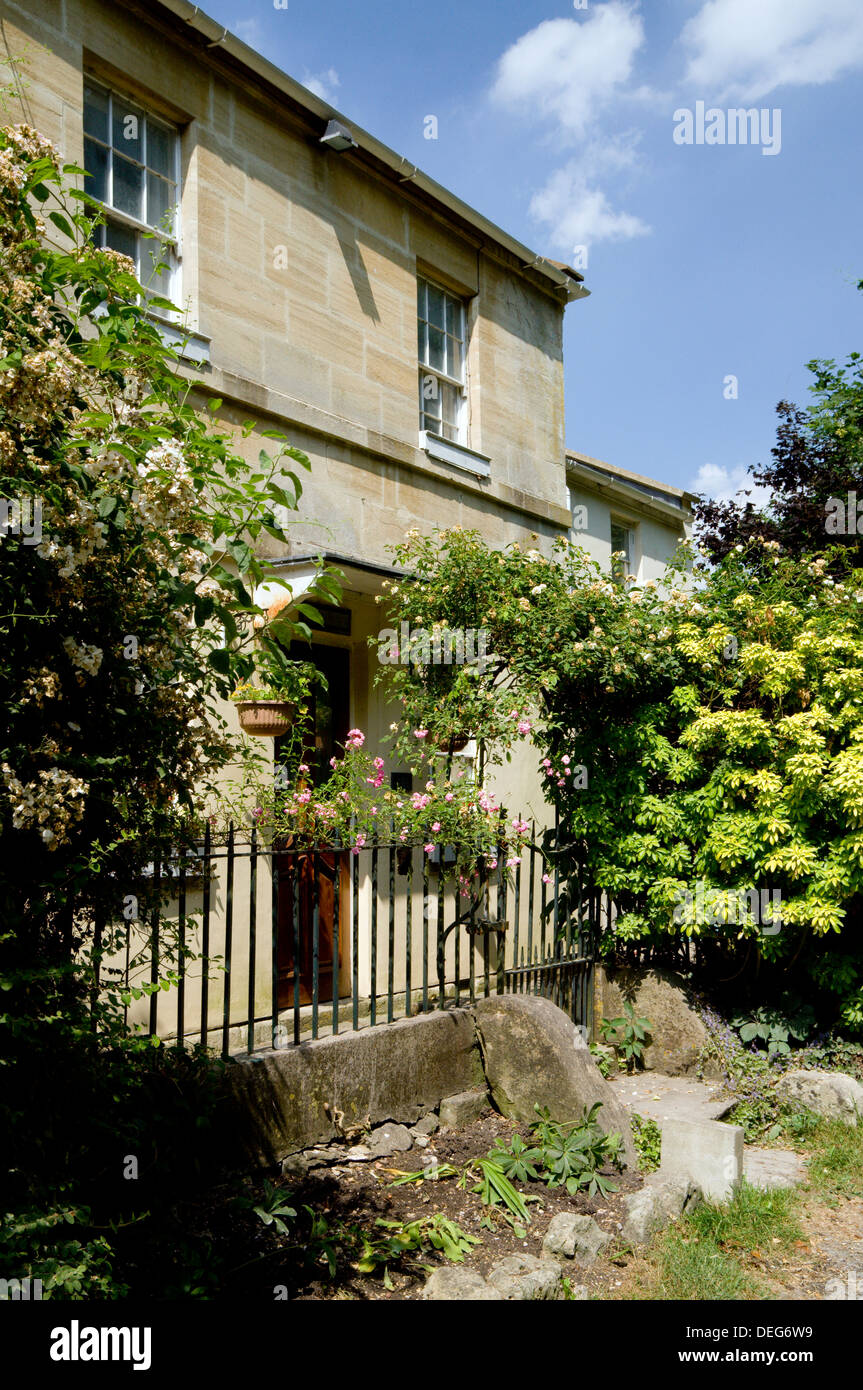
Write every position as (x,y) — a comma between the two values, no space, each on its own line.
(458,743)
(266,718)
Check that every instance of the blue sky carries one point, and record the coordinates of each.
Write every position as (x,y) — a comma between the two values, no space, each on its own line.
(704,260)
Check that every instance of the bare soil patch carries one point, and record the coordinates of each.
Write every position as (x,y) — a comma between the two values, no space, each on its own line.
(361,1193)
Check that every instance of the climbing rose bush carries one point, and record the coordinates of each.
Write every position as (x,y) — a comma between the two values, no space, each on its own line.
(353,804)
(128,523)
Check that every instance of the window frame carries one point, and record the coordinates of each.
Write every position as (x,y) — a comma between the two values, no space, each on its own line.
(630,564)
(426,370)
(171,243)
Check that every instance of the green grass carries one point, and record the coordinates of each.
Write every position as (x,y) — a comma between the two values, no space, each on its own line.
(836,1160)
(755,1219)
(701,1258)
(704,1256)
(697,1270)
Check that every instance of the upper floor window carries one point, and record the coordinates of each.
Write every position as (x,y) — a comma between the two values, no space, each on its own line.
(441,351)
(133,159)
(622,550)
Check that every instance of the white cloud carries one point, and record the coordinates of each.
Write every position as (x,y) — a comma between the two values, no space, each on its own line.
(323,84)
(567,69)
(746,48)
(725,484)
(250,31)
(578,212)
(567,72)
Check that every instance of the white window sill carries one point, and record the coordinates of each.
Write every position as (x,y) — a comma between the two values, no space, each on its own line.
(456,454)
(189,346)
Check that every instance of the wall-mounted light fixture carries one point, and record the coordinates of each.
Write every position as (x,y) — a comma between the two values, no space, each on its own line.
(337,137)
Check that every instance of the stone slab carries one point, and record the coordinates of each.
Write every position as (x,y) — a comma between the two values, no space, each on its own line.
(705,1152)
(659,1097)
(462,1109)
(769,1168)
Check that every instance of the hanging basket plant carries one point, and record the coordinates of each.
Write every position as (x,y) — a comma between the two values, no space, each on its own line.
(262,713)
(271,708)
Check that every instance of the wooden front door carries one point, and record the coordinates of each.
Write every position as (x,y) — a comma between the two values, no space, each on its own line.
(311,881)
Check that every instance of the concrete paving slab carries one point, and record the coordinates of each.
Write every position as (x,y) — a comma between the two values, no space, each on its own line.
(661,1097)
(773,1167)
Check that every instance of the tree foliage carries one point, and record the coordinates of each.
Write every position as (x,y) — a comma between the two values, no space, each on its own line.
(127,562)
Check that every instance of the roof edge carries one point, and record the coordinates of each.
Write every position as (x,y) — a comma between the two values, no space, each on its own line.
(625,475)
(218,36)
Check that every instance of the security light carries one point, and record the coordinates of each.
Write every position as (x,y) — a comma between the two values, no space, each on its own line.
(338,137)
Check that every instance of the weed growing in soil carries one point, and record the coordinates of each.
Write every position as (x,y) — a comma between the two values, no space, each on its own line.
(647,1137)
(570,1155)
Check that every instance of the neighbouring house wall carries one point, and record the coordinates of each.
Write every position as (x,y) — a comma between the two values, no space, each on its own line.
(656,536)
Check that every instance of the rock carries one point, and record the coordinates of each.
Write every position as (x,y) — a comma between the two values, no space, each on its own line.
(526,1278)
(463,1108)
(534,1055)
(574,1237)
(677,1032)
(458,1285)
(294,1167)
(427,1124)
(659,1201)
(829,1093)
(387,1140)
(359,1153)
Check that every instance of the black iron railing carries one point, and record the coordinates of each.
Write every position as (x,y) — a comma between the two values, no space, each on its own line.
(274,944)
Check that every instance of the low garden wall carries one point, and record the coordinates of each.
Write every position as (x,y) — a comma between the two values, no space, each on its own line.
(521,1048)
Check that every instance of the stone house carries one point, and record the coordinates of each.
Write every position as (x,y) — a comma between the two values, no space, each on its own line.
(330,289)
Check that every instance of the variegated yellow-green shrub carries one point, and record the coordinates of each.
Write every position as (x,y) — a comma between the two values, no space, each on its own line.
(730,806)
